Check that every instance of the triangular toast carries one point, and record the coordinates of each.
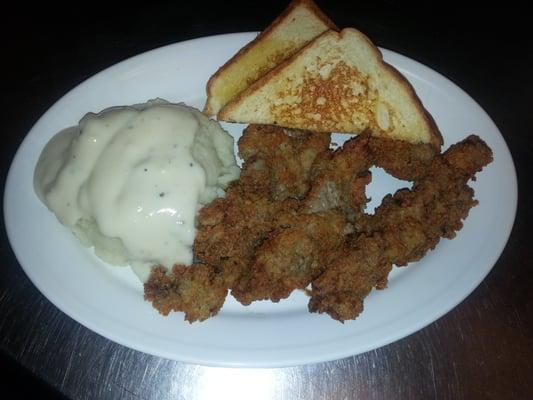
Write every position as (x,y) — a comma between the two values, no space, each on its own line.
(301,22)
(337,83)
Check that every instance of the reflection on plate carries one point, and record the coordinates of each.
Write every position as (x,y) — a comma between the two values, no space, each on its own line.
(109,300)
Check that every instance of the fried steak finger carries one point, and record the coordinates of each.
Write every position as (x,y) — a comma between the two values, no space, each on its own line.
(339,178)
(197,290)
(276,171)
(402,230)
(286,155)
(291,257)
(401,159)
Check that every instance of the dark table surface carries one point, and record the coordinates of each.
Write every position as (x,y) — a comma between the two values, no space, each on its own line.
(481,349)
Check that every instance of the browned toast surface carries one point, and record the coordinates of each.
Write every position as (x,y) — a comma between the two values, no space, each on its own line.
(337,83)
(299,23)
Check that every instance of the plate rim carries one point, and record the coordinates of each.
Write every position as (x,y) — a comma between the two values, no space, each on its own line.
(313,356)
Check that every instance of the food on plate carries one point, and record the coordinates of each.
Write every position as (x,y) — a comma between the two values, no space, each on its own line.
(300,23)
(404,227)
(157,186)
(296,217)
(130,180)
(337,83)
(276,171)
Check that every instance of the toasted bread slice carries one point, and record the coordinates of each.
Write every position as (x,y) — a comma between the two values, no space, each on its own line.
(301,22)
(337,83)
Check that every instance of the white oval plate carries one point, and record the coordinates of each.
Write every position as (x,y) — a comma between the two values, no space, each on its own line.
(109,300)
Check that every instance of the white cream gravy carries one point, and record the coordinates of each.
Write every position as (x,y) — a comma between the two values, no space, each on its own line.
(131,170)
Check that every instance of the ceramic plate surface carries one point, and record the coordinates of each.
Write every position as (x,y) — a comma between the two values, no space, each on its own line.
(109,300)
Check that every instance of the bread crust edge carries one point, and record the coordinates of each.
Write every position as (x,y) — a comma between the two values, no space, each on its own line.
(435,134)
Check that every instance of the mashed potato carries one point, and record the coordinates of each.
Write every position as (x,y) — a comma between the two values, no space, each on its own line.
(130,180)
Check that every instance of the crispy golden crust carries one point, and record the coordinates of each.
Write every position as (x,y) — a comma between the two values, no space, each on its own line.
(435,134)
(196,290)
(311,5)
(291,257)
(402,230)
(276,171)
(263,242)
(264,35)
(231,229)
(401,159)
(296,151)
(339,179)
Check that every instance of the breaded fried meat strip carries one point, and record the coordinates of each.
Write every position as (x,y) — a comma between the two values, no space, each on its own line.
(275,173)
(197,290)
(292,256)
(286,156)
(402,230)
